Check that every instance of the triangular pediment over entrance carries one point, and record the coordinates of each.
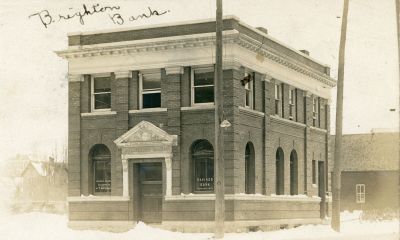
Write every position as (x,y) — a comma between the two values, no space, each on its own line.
(145,133)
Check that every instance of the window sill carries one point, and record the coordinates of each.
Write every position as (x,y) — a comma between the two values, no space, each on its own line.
(98,113)
(278,118)
(92,198)
(318,129)
(242,196)
(199,107)
(148,110)
(248,109)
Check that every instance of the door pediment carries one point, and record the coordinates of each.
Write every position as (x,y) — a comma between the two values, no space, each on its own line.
(145,133)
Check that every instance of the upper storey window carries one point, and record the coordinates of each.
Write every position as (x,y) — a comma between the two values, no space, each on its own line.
(278,99)
(101,93)
(150,87)
(249,88)
(315,108)
(203,85)
(292,104)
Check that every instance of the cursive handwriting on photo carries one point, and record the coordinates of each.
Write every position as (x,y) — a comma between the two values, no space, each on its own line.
(48,18)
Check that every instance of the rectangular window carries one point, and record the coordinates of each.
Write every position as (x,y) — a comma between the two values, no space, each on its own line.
(292,104)
(150,87)
(249,88)
(277,99)
(314,172)
(203,86)
(315,109)
(101,93)
(360,193)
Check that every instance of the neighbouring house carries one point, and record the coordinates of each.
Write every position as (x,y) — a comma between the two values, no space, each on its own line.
(42,185)
(370,171)
(141,128)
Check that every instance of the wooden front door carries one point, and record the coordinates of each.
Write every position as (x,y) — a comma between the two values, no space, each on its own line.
(151,192)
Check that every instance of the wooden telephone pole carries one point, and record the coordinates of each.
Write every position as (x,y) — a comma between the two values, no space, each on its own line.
(219,183)
(336,181)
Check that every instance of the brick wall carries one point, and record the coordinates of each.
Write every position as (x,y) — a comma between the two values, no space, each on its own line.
(257,126)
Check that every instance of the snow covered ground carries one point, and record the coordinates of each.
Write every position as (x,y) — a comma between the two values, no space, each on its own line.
(42,226)
(45,226)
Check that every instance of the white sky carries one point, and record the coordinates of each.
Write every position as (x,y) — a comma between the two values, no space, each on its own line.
(33,87)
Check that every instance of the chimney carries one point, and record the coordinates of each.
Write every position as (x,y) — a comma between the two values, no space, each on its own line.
(305,52)
(264,30)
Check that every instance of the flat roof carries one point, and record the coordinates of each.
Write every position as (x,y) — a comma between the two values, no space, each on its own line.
(230,22)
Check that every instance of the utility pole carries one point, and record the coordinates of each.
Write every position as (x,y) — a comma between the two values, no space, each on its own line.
(339,119)
(219,183)
(398,30)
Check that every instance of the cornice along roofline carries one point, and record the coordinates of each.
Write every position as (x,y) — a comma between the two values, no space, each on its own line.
(193,41)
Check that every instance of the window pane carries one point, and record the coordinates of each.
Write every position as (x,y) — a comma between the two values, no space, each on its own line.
(151,83)
(151,172)
(247,102)
(204,94)
(204,79)
(102,84)
(203,158)
(204,174)
(151,100)
(102,176)
(102,101)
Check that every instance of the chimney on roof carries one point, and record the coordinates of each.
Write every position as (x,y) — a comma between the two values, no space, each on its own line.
(305,52)
(264,30)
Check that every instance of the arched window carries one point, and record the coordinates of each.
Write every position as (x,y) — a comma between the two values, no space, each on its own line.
(249,169)
(101,165)
(279,164)
(293,173)
(203,166)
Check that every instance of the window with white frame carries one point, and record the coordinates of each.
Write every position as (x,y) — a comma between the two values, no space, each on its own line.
(292,104)
(315,109)
(150,89)
(249,88)
(278,99)
(202,85)
(360,193)
(101,93)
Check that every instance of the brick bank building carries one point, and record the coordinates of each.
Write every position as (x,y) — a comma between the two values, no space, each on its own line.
(141,128)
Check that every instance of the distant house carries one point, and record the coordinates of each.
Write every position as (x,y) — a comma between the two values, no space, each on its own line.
(42,185)
(370,171)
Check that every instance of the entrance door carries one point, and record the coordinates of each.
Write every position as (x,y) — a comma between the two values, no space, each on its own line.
(321,187)
(151,192)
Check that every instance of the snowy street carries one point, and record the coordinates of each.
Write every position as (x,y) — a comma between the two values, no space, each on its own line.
(42,226)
